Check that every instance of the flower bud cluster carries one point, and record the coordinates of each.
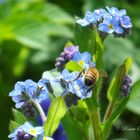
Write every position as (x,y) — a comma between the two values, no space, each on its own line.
(65,56)
(125,89)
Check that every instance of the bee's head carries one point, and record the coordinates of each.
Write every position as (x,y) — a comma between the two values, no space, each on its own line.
(88,82)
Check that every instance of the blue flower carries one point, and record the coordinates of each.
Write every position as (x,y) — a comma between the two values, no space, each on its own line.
(83,59)
(111,25)
(78,88)
(115,12)
(67,76)
(26,131)
(24,91)
(92,17)
(125,22)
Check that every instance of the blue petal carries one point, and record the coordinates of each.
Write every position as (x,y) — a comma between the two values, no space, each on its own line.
(76,56)
(89,17)
(122,12)
(19,86)
(82,22)
(86,57)
(119,30)
(19,105)
(14,93)
(103,27)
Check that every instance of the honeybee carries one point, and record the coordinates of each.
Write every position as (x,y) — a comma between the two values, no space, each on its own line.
(91,76)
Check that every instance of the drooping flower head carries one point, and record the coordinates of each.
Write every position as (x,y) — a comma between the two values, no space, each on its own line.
(24,91)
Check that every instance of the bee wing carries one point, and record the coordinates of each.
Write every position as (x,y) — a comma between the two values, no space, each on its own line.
(103,73)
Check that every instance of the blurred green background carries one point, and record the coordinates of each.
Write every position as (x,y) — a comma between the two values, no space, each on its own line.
(33,33)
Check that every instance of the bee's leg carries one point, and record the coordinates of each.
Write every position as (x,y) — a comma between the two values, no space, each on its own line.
(81,73)
(88,90)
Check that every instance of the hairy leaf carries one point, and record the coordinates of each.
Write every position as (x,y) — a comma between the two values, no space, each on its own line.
(56,112)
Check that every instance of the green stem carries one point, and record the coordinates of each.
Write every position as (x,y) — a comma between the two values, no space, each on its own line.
(95,123)
(109,110)
(40,110)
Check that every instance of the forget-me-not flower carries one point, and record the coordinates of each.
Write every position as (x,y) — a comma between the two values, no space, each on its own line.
(24,91)
(111,25)
(83,59)
(78,88)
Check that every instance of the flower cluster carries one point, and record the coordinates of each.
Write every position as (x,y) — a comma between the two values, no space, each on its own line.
(25,94)
(73,82)
(108,21)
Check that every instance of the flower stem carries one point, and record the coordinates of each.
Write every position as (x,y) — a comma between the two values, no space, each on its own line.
(40,110)
(109,110)
(95,123)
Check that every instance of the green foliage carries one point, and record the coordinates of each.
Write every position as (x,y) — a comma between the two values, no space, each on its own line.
(13,125)
(56,111)
(134,102)
(73,66)
(19,117)
(115,114)
(99,48)
(114,88)
(72,128)
(81,36)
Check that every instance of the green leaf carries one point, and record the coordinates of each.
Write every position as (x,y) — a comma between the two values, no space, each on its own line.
(56,112)
(99,52)
(13,125)
(69,43)
(114,88)
(81,36)
(128,63)
(19,117)
(117,111)
(73,66)
(53,29)
(56,14)
(83,119)
(134,102)
(72,129)
(31,34)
